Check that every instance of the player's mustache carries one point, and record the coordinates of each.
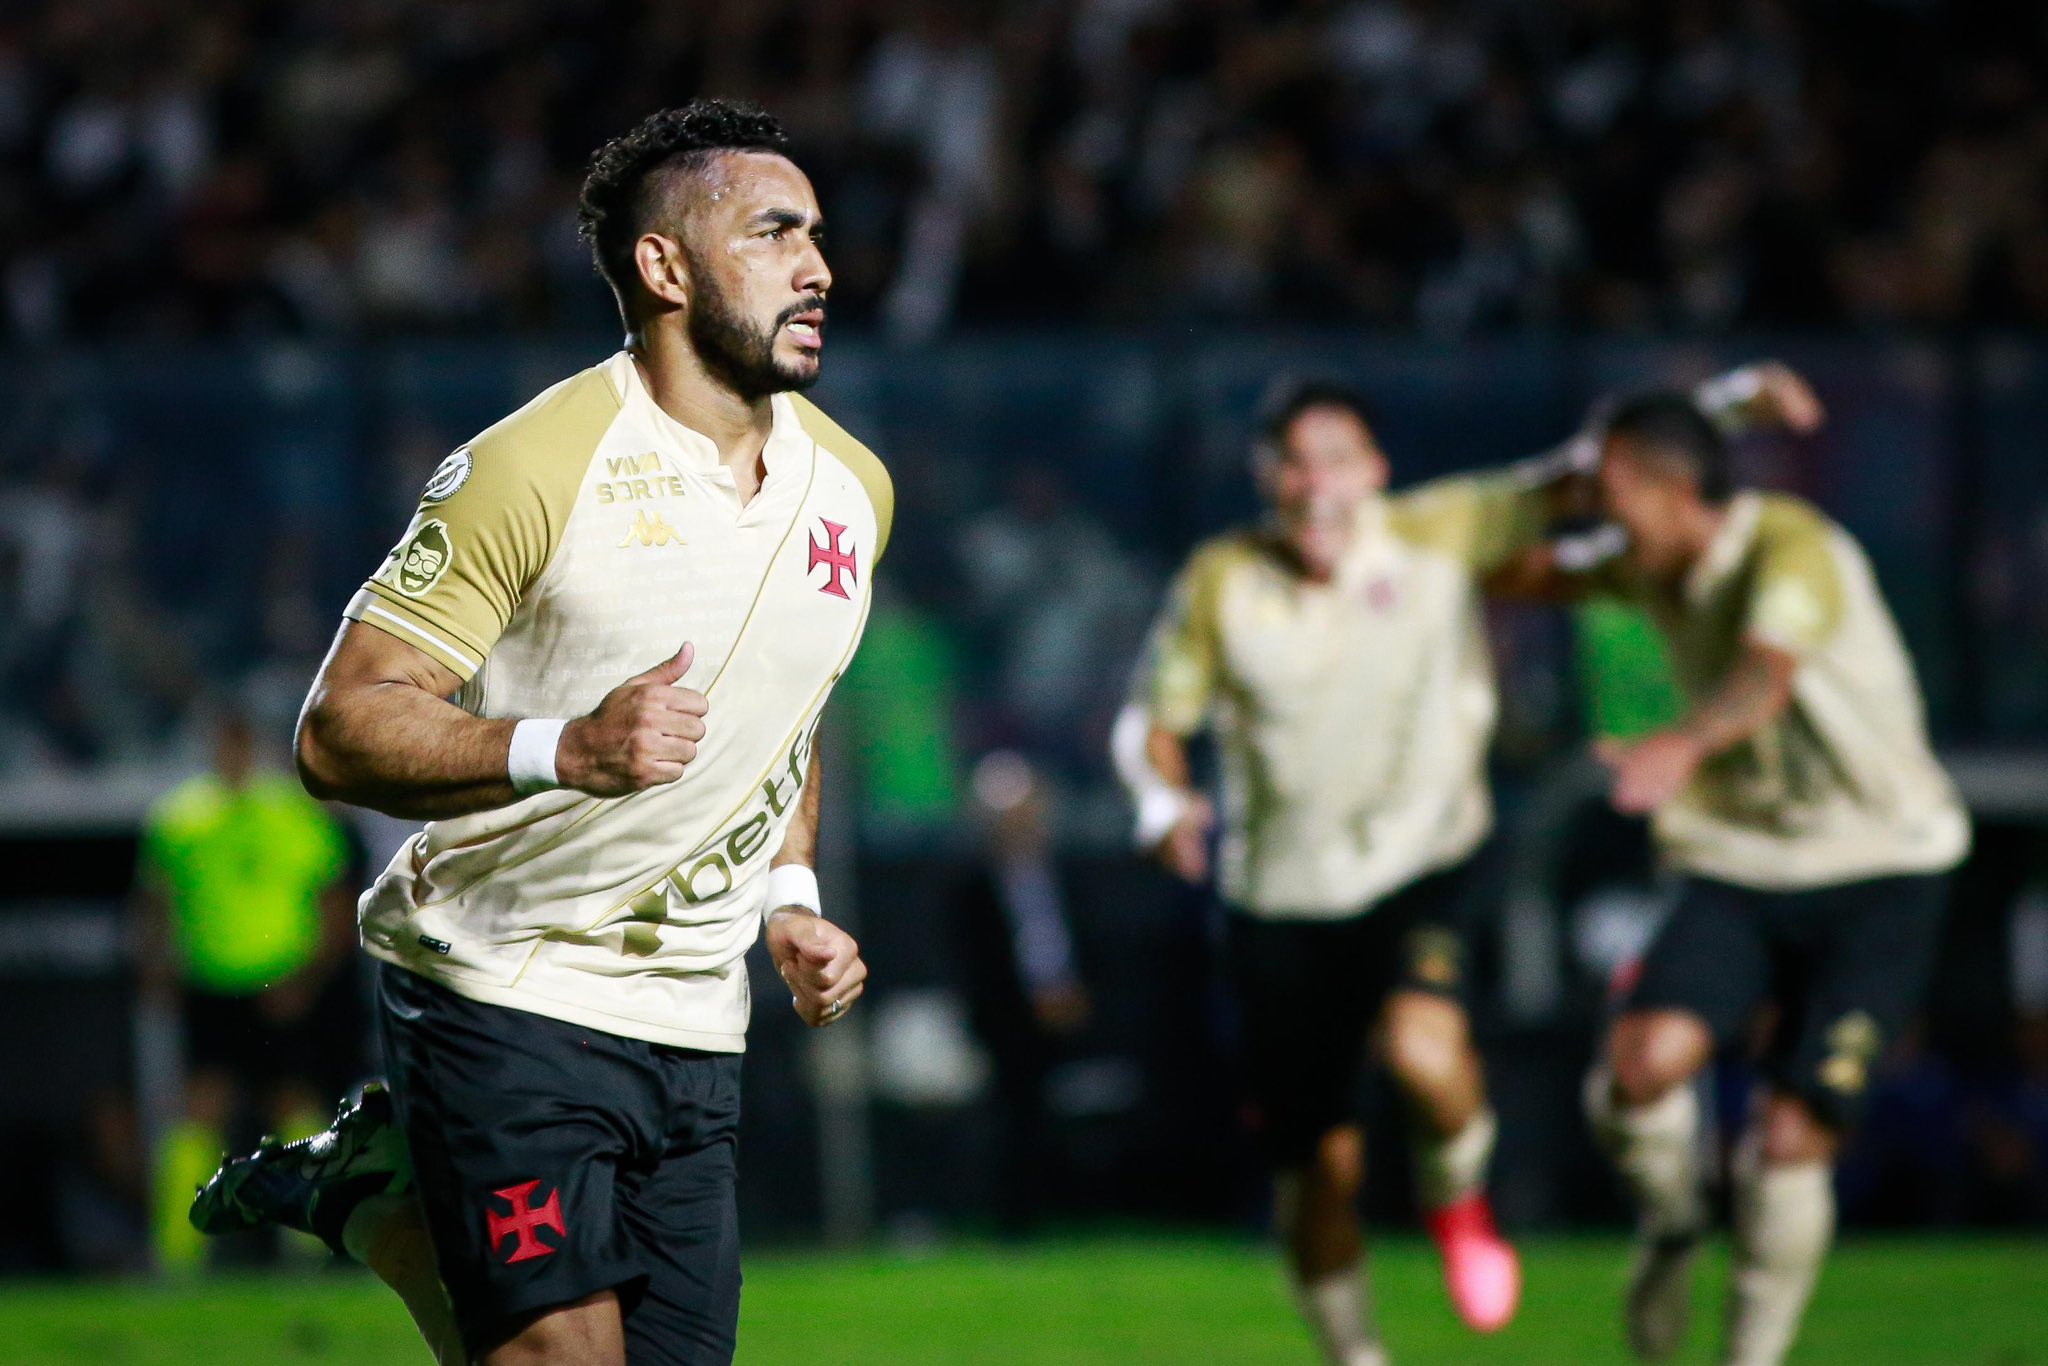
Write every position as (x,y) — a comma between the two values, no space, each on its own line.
(805,305)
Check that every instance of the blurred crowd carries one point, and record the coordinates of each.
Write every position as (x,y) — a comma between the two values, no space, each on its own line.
(170,170)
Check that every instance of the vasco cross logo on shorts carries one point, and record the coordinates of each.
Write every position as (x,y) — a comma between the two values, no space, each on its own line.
(524,1219)
(831,554)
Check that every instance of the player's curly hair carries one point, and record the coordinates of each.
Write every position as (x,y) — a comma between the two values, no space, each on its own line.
(619,191)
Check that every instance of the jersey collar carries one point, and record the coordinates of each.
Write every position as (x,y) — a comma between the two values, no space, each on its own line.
(786,437)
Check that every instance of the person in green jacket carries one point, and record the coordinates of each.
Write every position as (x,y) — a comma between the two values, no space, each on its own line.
(245,921)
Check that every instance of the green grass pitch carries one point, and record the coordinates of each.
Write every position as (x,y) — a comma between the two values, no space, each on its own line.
(1176,1302)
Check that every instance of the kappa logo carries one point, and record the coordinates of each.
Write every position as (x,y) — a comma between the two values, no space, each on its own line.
(450,475)
(831,554)
(525,1220)
(651,529)
(425,558)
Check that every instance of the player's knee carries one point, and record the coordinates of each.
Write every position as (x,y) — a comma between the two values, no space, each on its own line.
(1338,1164)
(1650,1054)
(586,1331)
(1426,1043)
(1791,1133)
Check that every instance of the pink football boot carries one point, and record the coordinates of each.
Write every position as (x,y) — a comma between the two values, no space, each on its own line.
(1481,1271)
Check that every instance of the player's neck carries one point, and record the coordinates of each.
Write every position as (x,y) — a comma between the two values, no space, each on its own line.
(1702,524)
(688,392)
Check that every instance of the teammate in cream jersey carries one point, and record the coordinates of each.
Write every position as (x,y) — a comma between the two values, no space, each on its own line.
(639,590)
(1338,657)
(531,574)
(1812,830)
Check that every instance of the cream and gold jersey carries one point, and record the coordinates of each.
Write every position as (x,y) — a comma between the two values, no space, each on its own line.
(1843,786)
(1353,717)
(574,544)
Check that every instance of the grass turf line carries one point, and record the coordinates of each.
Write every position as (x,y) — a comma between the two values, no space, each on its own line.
(1126,1302)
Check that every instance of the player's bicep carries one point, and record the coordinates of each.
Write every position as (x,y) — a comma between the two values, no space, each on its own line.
(367,654)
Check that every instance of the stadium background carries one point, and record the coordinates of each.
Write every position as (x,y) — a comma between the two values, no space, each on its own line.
(262,265)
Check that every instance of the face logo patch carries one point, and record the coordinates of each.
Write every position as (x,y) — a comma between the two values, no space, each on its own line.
(425,558)
(450,475)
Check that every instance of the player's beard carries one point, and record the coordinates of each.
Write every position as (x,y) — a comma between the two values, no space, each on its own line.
(1319,531)
(740,352)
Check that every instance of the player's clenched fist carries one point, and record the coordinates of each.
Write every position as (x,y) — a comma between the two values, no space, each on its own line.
(640,736)
(820,962)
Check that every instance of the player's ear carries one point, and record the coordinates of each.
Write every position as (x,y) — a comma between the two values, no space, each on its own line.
(663,271)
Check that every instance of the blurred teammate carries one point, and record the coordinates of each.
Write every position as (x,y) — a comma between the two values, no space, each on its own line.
(1813,827)
(1337,651)
(244,920)
(670,556)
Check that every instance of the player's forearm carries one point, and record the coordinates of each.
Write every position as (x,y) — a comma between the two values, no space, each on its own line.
(800,841)
(393,747)
(1755,693)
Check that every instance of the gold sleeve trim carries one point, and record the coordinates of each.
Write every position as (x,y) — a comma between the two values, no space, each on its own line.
(1797,597)
(373,606)
(866,466)
(1179,675)
(474,550)
(1480,520)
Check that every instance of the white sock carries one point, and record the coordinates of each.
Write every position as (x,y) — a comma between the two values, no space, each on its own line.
(388,1234)
(1784,1221)
(1656,1149)
(1339,1311)
(1449,1169)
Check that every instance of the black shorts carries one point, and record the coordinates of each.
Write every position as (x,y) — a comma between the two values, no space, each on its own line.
(1845,966)
(1310,991)
(556,1161)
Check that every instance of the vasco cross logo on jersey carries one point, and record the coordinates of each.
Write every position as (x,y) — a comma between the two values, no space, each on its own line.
(524,1219)
(830,553)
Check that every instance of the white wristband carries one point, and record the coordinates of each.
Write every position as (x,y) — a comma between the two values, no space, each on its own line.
(792,884)
(1722,395)
(1159,810)
(531,761)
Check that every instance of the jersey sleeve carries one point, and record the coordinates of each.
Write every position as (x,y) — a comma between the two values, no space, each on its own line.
(1480,520)
(1795,597)
(488,522)
(1178,675)
(452,582)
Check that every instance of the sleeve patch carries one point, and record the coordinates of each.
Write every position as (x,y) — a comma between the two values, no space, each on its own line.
(449,476)
(423,560)
(1790,610)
